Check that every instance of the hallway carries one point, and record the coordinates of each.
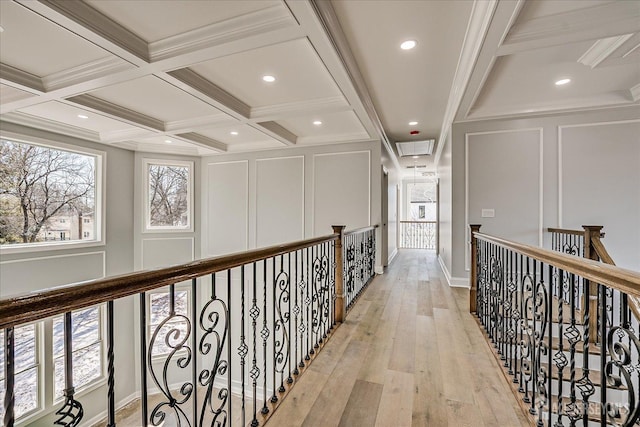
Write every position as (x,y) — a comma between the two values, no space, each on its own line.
(408,354)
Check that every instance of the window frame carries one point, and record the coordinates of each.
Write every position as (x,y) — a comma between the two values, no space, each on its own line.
(99,198)
(146,207)
(96,382)
(40,369)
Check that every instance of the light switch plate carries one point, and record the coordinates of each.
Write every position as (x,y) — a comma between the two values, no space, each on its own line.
(488,213)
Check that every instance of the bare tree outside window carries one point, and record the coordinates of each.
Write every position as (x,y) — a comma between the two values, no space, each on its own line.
(44,193)
(168,196)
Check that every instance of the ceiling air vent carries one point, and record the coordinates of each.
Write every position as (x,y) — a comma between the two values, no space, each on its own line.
(415,148)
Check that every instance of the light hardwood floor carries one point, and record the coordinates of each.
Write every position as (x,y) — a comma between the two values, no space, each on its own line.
(408,354)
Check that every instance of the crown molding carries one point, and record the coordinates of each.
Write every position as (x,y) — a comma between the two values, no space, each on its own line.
(635,93)
(19,79)
(336,138)
(591,23)
(203,86)
(312,106)
(150,147)
(278,132)
(481,16)
(326,16)
(240,27)
(188,125)
(602,49)
(84,72)
(201,140)
(608,100)
(122,135)
(117,112)
(89,23)
(35,122)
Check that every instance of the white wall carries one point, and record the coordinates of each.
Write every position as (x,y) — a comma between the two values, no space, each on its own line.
(587,172)
(272,197)
(32,271)
(393,204)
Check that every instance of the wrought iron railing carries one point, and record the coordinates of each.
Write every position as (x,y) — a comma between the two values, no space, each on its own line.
(561,377)
(257,320)
(359,262)
(418,234)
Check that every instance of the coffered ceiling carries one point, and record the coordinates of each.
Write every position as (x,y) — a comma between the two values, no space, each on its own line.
(186,76)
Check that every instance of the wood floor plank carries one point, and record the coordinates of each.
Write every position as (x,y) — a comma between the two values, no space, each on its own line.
(361,407)
(462,414)
(428,409)
(396,407)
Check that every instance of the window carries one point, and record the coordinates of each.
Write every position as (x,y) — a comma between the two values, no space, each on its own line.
(86,352)
(27,373)
(159,311)
(168,198)
(44,193)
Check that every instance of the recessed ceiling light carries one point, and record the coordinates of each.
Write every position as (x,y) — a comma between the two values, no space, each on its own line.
(168,141)
(408,44)
(234,133)
(413,123)
(269,79)
(82,116)
(416,157)
(562,82)
(317,123)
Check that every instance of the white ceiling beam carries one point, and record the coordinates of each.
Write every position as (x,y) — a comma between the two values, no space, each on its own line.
(591,23)
(118,112)
(276,131)
(203,141)
(334,104)
(353,83)
(19,79)
(35,122)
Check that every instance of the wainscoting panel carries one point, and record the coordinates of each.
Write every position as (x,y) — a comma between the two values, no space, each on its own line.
(166,251)
(341,190)
(31,274)
(603,187)
(504,184)
(279,200)
(228,208)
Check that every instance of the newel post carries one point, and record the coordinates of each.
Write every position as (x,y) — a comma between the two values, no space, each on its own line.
(591,297)
(473,292)
(338,313)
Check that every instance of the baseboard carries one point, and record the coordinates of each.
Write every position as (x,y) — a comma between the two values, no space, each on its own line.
(454,282)
(120,405)
(379,269)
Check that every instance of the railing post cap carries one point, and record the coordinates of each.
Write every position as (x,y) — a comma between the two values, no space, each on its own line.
(338,228)
(475,227)
(593,227)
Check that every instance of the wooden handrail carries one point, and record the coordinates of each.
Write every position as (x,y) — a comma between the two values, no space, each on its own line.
(39,305)
(418,222)
(565,231)
(626,281)
(360,230)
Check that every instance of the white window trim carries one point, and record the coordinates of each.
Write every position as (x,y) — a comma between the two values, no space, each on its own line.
(99,219)
(40,408)
(96,382)
(147,227)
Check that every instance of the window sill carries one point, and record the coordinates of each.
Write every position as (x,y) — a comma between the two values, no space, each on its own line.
(42,247)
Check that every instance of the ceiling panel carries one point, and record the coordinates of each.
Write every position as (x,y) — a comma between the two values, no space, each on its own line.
(68,114)
(11,94)
(345,124)
(537,9)
(299,72)
(154,20)
(526,81)
(37,46)
(246,135)
(156,98)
